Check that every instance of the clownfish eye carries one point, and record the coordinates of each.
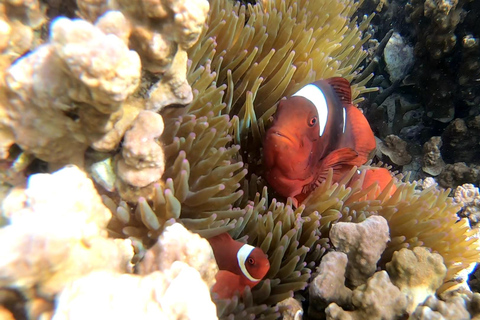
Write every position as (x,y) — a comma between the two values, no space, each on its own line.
(312,121)
(251,261)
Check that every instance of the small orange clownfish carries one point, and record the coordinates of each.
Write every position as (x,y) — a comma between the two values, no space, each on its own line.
(316,129)
(240,265)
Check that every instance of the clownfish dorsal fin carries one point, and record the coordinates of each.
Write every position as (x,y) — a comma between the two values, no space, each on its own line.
(341,86)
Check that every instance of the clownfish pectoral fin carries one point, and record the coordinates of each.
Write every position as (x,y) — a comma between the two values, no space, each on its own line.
(341,86)
(227,283)
(358,134)
(339,160)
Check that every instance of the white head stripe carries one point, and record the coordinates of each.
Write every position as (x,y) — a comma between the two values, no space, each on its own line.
(344,119)
(315,95)
(242,256)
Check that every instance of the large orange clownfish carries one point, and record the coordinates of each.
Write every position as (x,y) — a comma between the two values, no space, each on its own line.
(315,129)
(240,265)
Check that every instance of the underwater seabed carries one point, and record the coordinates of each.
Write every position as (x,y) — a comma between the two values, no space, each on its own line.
(130,132)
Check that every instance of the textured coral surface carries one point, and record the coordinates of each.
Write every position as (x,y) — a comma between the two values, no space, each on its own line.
(163,107)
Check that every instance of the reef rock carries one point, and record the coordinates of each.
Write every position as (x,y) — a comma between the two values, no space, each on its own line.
(434,309)
(179,293)
(142,161)
(57,233)
(469,197)
(363,243)
(418,273)
(161,32)
(329,285)
(377,299)
(398,57)
(457,174)
(178,244)
(432,162)
(69,94)
(396,149)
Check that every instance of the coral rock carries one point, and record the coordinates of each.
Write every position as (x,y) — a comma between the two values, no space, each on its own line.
(292,309)
(457,174)
(74,89)
(398,57)
(161,32)
(363,243)
(469,197)
(396,149)
(57,234)
(432,162)
(418,273)
(142,161)
(378,299)
(452,309)
(329,285)
(178,244)
(178,294)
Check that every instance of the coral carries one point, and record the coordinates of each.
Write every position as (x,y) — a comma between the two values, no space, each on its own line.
(469,70)
(247,59)
(444,67)
(177,261)
(452,309)
(178,244)
(418,273)
(329,285)
(179,293)
(291,309)
(425,218)
(399,57)
(161,32)
(468,196)
(56,233)
(142,160)
(461,138)
(363,243)
(396,149)
(432,162)
(429,182)
(18,23)
(459,173)
(368,304)
(398,115)
(73,101)
(29,12)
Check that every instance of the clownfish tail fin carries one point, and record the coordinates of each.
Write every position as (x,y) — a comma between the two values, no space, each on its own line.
(358,135)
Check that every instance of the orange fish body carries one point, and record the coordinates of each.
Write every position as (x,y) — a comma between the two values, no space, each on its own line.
(240,265)
(379,175)
(314,130)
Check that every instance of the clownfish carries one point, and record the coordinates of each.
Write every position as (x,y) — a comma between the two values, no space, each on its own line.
(240,265)
(381,176)
(315,129)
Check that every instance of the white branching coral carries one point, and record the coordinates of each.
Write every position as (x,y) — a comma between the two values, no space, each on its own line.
(162,31)
(142,160)
(418,273)
(57,233)
(174,280)
(105,295)
(69,94)
(468,196)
